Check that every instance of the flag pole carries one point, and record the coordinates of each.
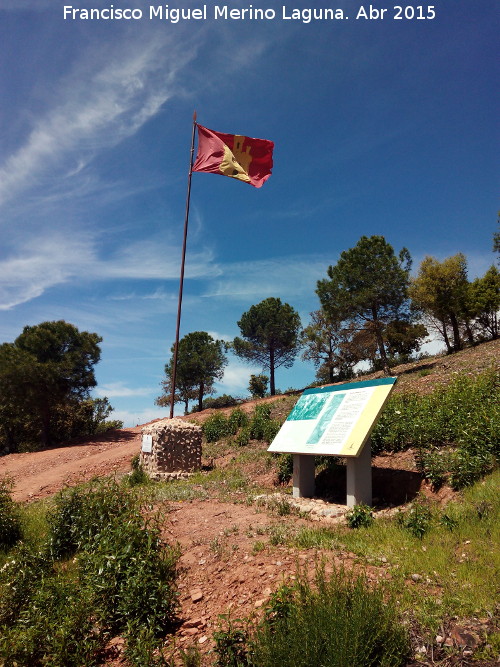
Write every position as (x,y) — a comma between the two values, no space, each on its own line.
(183,262)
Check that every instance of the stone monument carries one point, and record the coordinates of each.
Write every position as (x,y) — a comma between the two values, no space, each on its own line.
(171,449)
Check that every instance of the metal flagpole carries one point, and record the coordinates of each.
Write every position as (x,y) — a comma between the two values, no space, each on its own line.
(183,262)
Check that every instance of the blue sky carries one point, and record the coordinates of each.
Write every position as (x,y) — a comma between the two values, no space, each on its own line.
(380,127)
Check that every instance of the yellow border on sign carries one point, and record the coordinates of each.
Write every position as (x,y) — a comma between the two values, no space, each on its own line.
(366,421)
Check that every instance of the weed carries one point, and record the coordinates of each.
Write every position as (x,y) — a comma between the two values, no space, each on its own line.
(279,505)
(10,518)
(433,464)
(257,547)
(285,468)
(417,519)
(121,580)
(448,522)
(231,644)
(138,475)
(79,514)
(465,415)
(190,657)
(359,516)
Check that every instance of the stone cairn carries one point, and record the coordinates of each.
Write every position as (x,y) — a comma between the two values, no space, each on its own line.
(175,450)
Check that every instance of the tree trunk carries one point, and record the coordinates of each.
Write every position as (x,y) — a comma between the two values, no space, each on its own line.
(200,396)
(470,335)
(449,349)
(457,343)
(272,387)
(330,362)
(380,343)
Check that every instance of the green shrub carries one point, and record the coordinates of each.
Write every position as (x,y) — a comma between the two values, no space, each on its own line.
(237,419)
(464,415)
(335,622)
(466,468)
(260,418)
(120,581)
(434,465)
(79,514)
(224,401)
(242,438)
(216,427)
(130,573)
(359,516)
(10,520)
(270,430)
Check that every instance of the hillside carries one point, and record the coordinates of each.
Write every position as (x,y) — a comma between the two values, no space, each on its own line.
(235,550)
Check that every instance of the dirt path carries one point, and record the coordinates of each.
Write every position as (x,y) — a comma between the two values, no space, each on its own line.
(40,474)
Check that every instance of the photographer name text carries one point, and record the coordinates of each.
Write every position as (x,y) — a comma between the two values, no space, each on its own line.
(249,13)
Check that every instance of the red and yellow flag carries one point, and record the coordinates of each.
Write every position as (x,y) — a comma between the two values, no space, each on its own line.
(249,160)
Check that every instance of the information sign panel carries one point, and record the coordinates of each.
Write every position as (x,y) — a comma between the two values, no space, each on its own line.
(335,420)
(147,443)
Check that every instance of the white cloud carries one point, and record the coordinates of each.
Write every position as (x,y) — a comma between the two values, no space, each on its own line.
(104,100)
(236,378)
(118,389)
(259,279)
(46,260)
(139,417)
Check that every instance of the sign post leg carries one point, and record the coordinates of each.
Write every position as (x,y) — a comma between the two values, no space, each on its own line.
(359,478)
(303,476)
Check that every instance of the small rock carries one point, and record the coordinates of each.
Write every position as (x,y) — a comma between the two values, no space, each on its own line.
(439,639)
(416,577)
(202,640)
(259,603)
(467,653)
(196,594)
(448,641)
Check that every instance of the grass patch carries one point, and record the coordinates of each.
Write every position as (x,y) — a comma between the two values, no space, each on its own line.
(456,558)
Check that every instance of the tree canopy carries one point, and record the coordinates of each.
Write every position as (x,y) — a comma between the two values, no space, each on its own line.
(368,286)
(47,371)
(270,336)
(200,361)
(441,291)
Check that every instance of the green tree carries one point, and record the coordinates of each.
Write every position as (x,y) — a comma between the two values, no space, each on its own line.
(368,286)
(440,290)
(270,333)
(484,298)
(327,343)
(258,385)
(404,338)
(50,365)
(200,361)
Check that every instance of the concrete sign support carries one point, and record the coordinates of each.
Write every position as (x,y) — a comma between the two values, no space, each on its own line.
(303,476)
(359,478)
(334,421)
